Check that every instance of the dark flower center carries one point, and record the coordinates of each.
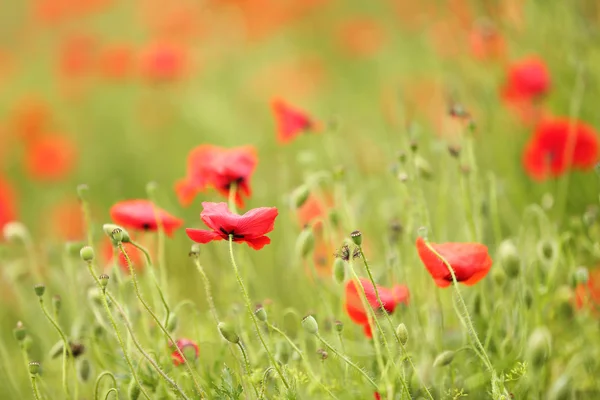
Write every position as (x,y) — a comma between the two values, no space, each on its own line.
(236,181)
(230,233)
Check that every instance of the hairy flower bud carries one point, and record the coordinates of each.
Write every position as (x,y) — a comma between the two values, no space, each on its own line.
(402,333)
(109,229)
(444,358)
(299,196)
(261,313)
(339,270)
(509,258)
(133,391)
(539,347)
(228,333)
(103,279)
(305,243)
(309,323)
(172,322)
(84,369)
(87,254)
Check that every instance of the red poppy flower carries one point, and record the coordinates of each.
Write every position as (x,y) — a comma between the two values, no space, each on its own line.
(8,204)
(527,79)
(470,261)
(486,42)
(377,396)
(250,227)
(361,37)
(31,118)
(143,215)
(390,298)
(545,154)
(588,295)
(220,168)
(290,121)
(163,62)
(135,255)
(76,56)
(115,62)
(314,209)
(50,158)
(188,347)
(66,220)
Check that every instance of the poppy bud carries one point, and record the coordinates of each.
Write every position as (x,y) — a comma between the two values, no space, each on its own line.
(444,358)
(356,237)
(133,391)
(309,323)
(564,298)
(82,191)
(401,156)
(305,243)
(539,347)
(228,333)
(110,228)
(339,326)
(14,231)
(402,333)
(34,368)
(402,177)
(20,332)
(172,322)
(561,389)
(546,250)
(27,343)
(423,168)
(103,280)
(299,196)
(528,298)
(39,289)
(581,276)
(117,235)
(83,369)
(87,254)
(56,304)
(509,258)
(499,276)
(414,145)
(261,314)
(339,270)
(74,248)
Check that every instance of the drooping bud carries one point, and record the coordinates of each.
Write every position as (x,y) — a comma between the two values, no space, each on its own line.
(261,313)
(499,276)
(339,270)
(103,279)
(509,258)
(87,254)
(299,196)
(34,368)
(133,391)
(305,242)
(228,333)
(110,228)
(356,237)
(172,322)
(564,298)
(309,323)
(546,250)
(117,235)
(444,358)
(423,168)
(39,289)
(56,304)
(15,231)
(402,333)
(539,347)
(83,369)
(339,326)
(20,332)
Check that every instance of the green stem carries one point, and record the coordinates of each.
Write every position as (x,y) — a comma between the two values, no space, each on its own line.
(112,390)
(347,360)
(117,333)
(207,289)
(66,348)
(36,392)
(160,325)
(247,366)
(493,198)
(252,316)
(161,242)
(99,379)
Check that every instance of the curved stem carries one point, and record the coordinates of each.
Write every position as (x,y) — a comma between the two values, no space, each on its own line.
(207,289)
(263,384)
(160,325)
(112,390)
(36,392)
(252,316)
(99,379)
(247,366)
(161,242)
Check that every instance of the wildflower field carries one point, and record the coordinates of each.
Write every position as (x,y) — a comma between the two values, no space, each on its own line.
(299,199)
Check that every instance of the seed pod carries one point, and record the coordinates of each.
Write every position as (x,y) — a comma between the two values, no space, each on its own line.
(20,332)
(300,195)
(309,323)
(539,347)
(110,228)
(509,258)
(339,326)
(86,253)
(339,270)
(103,280)
(34,368)
(402,333)
(356,237)
(39,289)
(444,358)
(228,333)
(261,313)
(305,243)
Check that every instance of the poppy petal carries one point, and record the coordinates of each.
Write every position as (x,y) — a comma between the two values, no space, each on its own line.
(258,243)
(202,235)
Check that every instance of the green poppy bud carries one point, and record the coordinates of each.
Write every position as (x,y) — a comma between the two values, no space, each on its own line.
(300,195)
(444,358)
(83,369)
(56,304)
(87,253)
(539,347)
(339,326)
(172,322)
(402,333)
(305,243)
(339,270)
(261,314)
(309,323)
(499,276)
(103,280)
(74,248)
(20,332)
(509,258)
(133,391)
(334,217)
(109,230)
(34,368)
(39,289)
(228,333)
(195,250)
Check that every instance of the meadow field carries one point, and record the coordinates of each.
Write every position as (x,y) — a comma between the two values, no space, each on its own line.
(299,199)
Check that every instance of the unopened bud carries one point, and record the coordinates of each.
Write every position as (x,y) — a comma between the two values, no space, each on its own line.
(444,358)
(109,229)
(299,196)
(539,347)
(546,250)
(228,333)
(402,333)
(39,289)
(509,258)
(172,322)
(117,235)
(305,242)
(339,326)
(339,270)
(356,237)
(74,248)
(334,217)
(309,323)
(499,276)
(56,304)
(14,231)
(87,254)
(133,391)
(414,145)
(564,298)
(423,167)
(20,332)
(103,279)
(34,368)
(83,369)
(261,314)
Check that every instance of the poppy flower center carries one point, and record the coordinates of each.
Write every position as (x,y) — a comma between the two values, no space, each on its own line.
(230,233)
(237,182)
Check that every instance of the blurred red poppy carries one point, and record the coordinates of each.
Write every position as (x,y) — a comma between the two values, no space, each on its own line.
(290,121)
(143,215)
(8,203)
(31,118)
(361,37)
(135,255)
(50,158)
(250,227)
(314,209)
(66,220)
(220,168)
(546,152)
(116,62)
(527,79)
(588,295)
(377,396)
(487,43)
(161,62)
(390,298)
(188,347)
(470,261)
(76,56)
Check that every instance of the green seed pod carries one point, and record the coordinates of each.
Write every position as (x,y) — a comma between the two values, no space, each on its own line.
(561,389)
(334,217)
(20,332)
(339,326)
(339,270)
(83,369)
(356,237)
(309,323)
(402,333)
(39,289)
(499,276)
(261,314)
(15,231)
(509,258)
(103,279)
(444,358)
(539,347)
(117,235)
(423,168)
(110,228)
(27,343)
(133,391)
(34,368)
(56,304)
(87,253)
(172,322)
(228,333)
(300,195)
(305,243)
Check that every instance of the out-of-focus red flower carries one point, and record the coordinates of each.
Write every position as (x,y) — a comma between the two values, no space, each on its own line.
(377,396)
(588,295)
(220,168)
(135,255)
(546,152)
(290,121)
(361,37)
(8,203)
(527,79)
(116,62)
(390,298)
(188,347)
(251,227)
(314,209)
(143,215)
(30,119)
(470,261)
(50,158)
(76,56)
(487,43)
(66,220)
(162,62)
